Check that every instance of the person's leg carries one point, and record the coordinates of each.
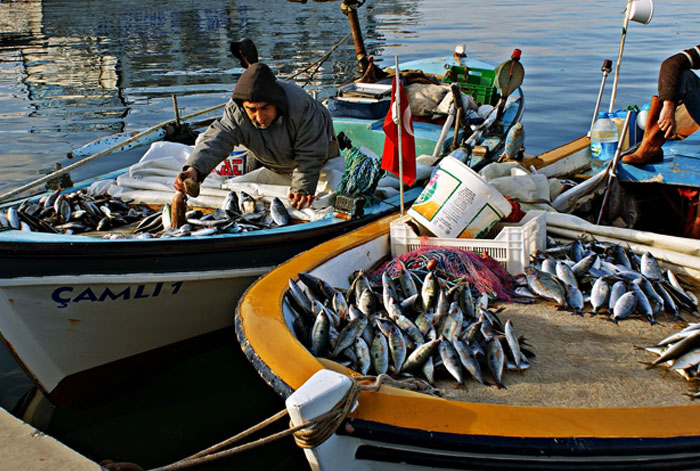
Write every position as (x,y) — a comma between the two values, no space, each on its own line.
(688,113)
(649,150)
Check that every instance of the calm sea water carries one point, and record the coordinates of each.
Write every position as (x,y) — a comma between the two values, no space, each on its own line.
(75,70)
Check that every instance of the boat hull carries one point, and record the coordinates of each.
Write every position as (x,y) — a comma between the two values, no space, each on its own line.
(392,428)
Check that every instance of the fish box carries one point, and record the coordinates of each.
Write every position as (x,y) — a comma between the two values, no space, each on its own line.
(478,82)
(510,244)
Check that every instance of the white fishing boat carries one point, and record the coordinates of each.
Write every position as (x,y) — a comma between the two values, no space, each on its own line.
(81,311)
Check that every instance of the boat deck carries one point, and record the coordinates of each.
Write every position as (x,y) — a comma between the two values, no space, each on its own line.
(582,361)
(680,166)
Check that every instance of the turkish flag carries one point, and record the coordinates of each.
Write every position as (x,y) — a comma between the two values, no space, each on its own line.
(390,156)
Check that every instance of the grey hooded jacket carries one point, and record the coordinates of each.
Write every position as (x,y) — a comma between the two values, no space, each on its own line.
(298,142)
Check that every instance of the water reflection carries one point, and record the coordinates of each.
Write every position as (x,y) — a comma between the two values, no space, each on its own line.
(86,69)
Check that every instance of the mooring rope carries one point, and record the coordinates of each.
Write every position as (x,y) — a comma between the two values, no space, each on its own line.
(310,434)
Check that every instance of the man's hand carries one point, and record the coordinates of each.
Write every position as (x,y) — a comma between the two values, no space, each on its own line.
(179,184)
(667,118)
(299,200)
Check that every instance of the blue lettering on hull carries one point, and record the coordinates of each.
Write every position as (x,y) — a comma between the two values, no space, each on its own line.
(65,295)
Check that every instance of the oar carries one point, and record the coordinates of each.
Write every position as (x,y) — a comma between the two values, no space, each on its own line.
(5,196)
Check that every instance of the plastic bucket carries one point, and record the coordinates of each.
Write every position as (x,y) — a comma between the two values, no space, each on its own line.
(458,203)
(641,11)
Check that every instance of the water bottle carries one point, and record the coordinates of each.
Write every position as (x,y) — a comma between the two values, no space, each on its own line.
(604,137)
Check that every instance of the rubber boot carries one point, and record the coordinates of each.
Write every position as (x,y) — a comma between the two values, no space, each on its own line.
(649,150)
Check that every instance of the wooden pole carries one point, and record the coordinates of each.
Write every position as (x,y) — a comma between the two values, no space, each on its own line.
(349,8)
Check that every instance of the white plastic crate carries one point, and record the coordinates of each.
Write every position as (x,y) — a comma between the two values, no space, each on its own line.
(512,245)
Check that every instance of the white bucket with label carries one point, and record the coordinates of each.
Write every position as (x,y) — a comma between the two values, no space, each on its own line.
(458,203)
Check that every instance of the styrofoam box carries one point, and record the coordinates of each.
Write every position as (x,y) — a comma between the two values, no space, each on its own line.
(512,245)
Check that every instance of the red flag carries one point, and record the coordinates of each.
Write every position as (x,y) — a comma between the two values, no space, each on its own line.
(390,156)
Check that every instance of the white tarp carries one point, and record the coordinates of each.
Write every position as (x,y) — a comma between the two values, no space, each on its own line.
(681,253)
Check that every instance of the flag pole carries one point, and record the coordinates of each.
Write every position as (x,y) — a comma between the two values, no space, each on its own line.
(397,120)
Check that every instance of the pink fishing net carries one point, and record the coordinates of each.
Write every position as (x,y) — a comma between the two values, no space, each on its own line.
(453,265)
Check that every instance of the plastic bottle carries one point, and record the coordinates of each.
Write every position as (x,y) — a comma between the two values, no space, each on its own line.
(604,137)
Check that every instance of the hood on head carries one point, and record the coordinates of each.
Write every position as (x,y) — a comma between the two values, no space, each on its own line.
(258,83)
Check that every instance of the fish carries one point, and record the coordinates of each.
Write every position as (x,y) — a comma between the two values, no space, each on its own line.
(600,293)
(397,347)
(230,203)
(469,362)
(420,355)
(546,285)
(513,342)
(380,353)
(566,274)
(429,290)
(496,361)
(246,203)
(650,267)
(178,208)
(320,334)
(363,356)
(624,306)
(451,360)
(279,212)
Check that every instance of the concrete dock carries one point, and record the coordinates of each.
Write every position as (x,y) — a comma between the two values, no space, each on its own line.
(27,449)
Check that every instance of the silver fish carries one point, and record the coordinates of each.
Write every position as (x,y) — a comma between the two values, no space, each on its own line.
(407,284)
(397,347)
(230,203)
(429,290)
(380,353)
(246,203)
(496,361)
(618,289)
(299,298)
(599,294)
(468,361)
(583,266)
(450,359)
(279,212)
(363,356)
(420,355)
(513,343)
(166,217)
(624,306)
(565,274)
(320,334)
(13,217)
(650,267)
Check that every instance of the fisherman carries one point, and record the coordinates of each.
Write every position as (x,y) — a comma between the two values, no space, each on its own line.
(675,112)
(287,131)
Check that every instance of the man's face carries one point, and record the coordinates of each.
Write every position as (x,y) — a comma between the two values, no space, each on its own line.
(262,114)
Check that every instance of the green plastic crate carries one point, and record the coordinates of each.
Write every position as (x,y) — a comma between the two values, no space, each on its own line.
(478,84)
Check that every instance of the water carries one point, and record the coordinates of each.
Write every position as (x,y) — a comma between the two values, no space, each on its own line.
(74,70)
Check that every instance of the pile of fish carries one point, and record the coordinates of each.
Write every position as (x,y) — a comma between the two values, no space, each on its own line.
(406,326)
(239,212)
(610,278)
(73,213)
(78,212)
(680,352)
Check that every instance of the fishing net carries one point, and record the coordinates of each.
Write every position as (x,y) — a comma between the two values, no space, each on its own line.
(361,175)
(453,266)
